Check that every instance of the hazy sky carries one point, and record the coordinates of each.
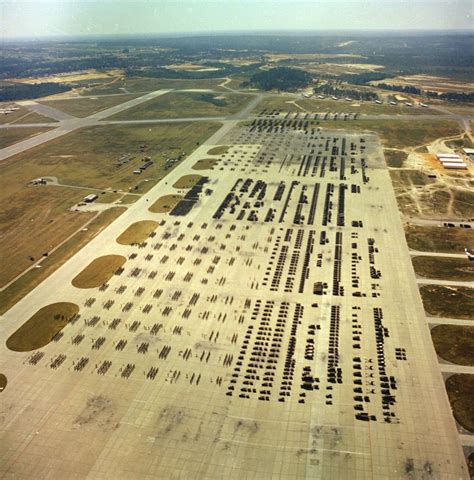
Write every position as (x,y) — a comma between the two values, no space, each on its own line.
(20,18)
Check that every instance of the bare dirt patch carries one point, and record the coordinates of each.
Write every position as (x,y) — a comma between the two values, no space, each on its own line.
(137,232)
(187,181)
(454,343)
(460,388)
(99,271)
(443,268)
(450,302)
(165,204)
(205,164)
(41,328)
(3,382)
(438,239)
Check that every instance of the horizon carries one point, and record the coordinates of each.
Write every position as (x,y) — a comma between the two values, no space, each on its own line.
(70,18)
(230,33)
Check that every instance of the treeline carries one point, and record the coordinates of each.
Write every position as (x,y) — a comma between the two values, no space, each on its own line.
(359,78)
(335,90)
(401,88)
(453,96)
(282,78)
(23,91)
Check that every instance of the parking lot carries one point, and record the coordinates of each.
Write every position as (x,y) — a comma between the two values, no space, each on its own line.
(269,326)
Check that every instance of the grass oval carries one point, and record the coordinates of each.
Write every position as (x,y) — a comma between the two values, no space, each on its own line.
(137,232)
(205,164)
(99,271)
(3,382)
(165,204)
(187,181)
(218,150)
(40,329)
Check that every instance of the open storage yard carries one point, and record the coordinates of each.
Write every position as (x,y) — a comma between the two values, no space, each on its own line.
(255,332)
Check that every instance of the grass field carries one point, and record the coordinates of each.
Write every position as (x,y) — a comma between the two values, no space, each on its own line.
(205,164)
(40,329)
(88,157)
(137,232)
(444,268)
(165,204)
(454,343)
(187,181)
(438,239)
(146,84)
(9,136)
(128,199)
(52,262)
(99,271)
(460,388)
(83,107)
(450,302)
(186,104)
(33,220)
(342,106)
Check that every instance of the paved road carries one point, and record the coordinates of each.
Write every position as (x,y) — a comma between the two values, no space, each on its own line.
(48,111)
(69,123)
(245,112)
(444,283)
(124,106)
(450,321)
(450,368)
(34,141)
(165,120)
(29,125)
(436,223)
(416,253)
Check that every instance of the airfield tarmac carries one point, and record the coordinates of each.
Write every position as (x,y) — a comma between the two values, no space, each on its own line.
(249,344)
